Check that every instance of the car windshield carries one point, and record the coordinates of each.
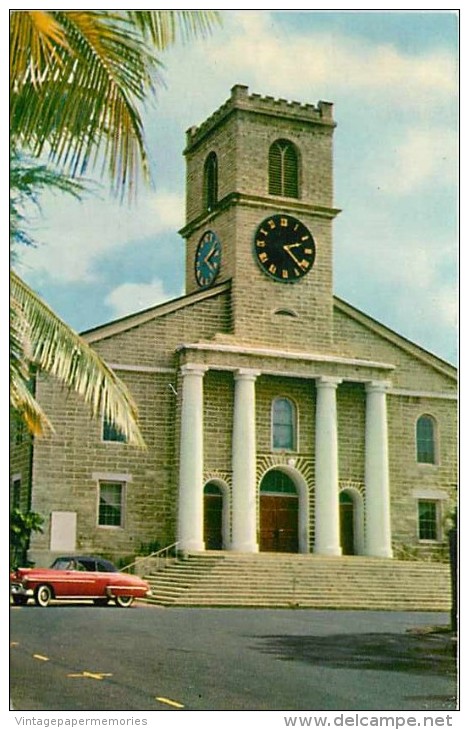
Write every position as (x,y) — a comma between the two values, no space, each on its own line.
(90,564)
(62,564)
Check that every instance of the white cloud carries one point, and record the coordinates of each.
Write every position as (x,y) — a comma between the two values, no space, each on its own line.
(332,61)
(133,297)
(422,156)
(73,234)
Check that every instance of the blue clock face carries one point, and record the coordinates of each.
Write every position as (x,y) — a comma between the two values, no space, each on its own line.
(207,259)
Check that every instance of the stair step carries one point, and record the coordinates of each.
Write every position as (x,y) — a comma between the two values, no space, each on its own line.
(287,580)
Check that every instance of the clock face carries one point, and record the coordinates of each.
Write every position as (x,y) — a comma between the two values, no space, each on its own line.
(207,259)
(284,248)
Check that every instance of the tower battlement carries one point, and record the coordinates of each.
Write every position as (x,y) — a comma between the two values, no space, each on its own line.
(241,99)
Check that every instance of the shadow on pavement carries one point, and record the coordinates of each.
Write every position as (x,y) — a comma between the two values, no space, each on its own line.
(412,652)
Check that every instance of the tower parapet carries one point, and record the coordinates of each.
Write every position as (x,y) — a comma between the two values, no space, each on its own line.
(320,114)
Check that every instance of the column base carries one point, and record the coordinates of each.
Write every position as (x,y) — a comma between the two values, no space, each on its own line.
(244,547)
(189,546)
(331,550)
(379,553)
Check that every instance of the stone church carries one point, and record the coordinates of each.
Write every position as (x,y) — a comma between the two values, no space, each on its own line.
(278,417)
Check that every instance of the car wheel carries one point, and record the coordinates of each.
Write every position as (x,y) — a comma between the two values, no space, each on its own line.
(100,601)
(20,600)
(124,601)
(43,595)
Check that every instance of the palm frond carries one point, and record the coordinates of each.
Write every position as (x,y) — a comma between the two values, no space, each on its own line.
(79,79)
(57,350)
(165,27)
(87,104)
(28,179)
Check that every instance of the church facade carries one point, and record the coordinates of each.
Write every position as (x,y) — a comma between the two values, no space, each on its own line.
(277,416)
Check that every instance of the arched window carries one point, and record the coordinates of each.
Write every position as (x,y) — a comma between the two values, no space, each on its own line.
(283,424)
(211,181)
(425,436)
(283,169)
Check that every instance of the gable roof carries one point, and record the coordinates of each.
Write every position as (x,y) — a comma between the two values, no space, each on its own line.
(396,339)
(117,326)
(130,321)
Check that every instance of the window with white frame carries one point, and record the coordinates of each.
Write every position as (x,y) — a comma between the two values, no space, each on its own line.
(111,504)
(283,424)
(428,519)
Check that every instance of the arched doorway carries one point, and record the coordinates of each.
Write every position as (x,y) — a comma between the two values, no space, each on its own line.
(213,517)
(278,513)
(347,524)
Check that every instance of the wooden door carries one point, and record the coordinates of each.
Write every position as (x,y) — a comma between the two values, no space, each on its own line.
(278,523)
(213,520)
(347,537)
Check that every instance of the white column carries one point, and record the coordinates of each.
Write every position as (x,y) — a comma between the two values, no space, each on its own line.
(191,460)
(378,522)
(244,502)
(327,531)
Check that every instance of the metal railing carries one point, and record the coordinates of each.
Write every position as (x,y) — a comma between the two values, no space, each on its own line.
(152,562)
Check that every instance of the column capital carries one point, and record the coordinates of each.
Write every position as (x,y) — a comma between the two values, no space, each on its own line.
(377,386)
(327,381)
(193,369)
(246,374)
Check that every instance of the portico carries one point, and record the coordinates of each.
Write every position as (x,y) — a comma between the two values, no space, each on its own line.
(323,501)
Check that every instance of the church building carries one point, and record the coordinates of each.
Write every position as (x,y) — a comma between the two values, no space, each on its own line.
(277,417)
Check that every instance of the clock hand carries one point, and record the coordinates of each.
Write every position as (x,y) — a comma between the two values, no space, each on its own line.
(287,248)
(209,256)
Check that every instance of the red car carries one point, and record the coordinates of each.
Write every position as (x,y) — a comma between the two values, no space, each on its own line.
(77,577)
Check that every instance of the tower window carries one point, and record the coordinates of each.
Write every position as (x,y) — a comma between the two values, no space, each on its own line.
(211,181)
(425,435)
(283,424)
(283,169)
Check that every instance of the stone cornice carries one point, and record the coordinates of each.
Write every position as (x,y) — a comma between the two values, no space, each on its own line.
(275,203)
(267,352)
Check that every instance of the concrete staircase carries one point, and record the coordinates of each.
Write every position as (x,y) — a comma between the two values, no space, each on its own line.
(283,580)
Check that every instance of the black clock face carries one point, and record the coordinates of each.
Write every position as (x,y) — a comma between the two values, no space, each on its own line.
(207,259)
(284,248)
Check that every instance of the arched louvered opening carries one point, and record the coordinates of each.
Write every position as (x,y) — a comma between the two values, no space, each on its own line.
(283,169)
(211,181)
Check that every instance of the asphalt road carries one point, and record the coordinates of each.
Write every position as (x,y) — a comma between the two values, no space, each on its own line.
(80,657)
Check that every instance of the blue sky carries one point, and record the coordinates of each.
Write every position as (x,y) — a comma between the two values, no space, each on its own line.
(393,78)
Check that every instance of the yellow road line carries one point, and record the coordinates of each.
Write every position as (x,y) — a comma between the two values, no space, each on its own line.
(41,658)
(90,675)
(166,701)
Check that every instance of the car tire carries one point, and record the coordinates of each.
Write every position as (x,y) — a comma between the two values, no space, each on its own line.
(124,601)
(19,600)
(43,595)
(100,601)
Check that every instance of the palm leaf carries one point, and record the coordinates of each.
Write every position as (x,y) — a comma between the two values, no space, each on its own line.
(163,27)
(78,81)
(57,350)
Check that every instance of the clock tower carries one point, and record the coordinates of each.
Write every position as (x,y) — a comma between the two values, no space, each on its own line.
(259,214)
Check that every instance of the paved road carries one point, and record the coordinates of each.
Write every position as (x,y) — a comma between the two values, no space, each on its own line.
(80,657)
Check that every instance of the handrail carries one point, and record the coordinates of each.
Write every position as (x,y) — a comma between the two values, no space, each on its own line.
(157,554)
